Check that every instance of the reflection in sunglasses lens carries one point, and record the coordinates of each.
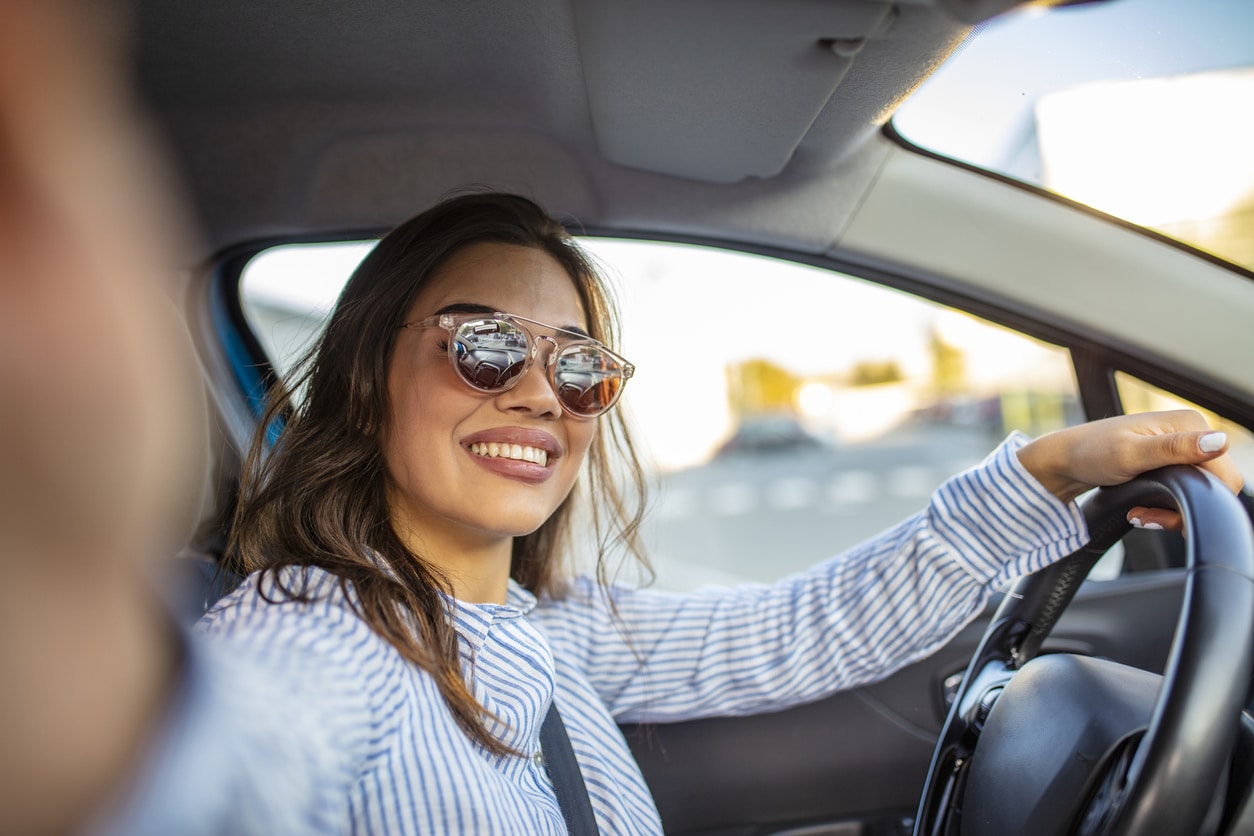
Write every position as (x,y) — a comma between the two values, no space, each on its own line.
(588,379)
(490,353)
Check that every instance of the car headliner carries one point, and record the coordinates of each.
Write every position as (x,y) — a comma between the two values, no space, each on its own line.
(732,118)
(754,122)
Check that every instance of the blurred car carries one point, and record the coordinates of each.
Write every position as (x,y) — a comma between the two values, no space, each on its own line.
(762,130)
(769,434)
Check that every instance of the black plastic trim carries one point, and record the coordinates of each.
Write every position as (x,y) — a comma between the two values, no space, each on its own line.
(1095,376)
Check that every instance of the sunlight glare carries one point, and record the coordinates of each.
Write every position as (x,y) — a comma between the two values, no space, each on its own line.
(1154,151)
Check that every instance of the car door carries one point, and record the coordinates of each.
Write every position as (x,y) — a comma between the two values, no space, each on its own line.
(854,764)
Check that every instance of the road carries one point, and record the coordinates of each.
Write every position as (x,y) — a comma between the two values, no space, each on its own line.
(758,516)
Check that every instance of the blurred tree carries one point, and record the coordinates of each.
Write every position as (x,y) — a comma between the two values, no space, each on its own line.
(875,372)
(759,386)
(949,368)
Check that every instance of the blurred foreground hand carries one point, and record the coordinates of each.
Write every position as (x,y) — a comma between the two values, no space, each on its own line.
(100,414)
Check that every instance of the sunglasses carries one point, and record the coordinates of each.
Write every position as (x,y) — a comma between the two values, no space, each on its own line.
(492,352)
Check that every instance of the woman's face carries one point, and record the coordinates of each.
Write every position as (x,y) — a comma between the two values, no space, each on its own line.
(440,485)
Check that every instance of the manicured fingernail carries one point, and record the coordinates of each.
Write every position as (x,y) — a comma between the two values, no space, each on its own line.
(1211,442)
(1152,527)
(1135,522)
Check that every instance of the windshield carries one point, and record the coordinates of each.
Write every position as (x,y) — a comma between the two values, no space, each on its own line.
(1143,109)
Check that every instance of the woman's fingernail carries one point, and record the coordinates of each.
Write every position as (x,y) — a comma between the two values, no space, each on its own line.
(1135,522)
(1152,527)
(1211,442)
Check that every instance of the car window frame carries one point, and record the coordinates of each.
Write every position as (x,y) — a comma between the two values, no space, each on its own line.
(1094,362)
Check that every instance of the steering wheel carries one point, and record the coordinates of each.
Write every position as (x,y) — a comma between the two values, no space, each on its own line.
(1063,744)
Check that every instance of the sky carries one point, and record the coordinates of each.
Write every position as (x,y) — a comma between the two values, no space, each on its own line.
(980,105)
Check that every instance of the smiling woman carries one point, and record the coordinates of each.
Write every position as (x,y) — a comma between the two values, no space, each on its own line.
(404,506)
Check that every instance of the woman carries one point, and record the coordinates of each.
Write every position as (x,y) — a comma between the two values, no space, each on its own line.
(407,537)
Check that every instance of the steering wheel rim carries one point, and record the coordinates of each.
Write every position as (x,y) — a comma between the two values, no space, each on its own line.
(1172,774)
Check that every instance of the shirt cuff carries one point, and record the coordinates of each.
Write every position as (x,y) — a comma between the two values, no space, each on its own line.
(1000,523)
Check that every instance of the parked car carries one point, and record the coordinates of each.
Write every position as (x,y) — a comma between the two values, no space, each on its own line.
(767,434)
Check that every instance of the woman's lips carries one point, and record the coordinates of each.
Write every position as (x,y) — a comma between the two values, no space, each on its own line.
(514,452)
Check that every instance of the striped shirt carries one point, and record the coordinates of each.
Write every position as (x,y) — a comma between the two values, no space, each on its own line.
(850,620)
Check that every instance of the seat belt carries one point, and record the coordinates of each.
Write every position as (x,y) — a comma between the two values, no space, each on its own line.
(563,769)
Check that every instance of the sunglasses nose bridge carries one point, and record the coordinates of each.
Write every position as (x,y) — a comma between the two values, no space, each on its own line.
(553,350)
(536,358)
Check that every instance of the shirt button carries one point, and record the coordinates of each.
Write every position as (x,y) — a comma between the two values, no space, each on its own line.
(538,757)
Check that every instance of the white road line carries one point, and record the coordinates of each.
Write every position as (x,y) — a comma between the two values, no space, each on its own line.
(732,499)
(912,482)
(677,504)
(791,494)
(852,487)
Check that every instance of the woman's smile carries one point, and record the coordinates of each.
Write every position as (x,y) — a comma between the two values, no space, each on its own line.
(515,453)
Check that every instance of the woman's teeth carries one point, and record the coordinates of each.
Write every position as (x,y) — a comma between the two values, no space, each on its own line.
(493,450)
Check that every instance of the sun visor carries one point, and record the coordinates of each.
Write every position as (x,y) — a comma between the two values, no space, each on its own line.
(716,90)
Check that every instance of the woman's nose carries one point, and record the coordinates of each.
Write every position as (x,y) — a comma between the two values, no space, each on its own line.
(534,391)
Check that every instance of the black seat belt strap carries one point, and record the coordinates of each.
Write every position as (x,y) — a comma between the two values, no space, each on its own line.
(559,760)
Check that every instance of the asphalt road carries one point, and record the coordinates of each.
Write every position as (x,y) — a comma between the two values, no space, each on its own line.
(758,516)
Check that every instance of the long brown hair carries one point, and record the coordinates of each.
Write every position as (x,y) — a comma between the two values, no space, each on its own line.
(318,498)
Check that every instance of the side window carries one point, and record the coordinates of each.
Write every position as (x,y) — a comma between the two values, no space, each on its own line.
(786,412)
(287,293)
(793,412)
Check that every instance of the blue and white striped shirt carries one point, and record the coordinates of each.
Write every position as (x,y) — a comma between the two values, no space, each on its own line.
(850,620)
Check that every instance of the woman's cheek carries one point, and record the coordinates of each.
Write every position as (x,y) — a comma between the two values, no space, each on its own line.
(579,436)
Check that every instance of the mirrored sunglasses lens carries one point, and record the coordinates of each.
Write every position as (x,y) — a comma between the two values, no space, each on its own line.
(490,353)
(588,379)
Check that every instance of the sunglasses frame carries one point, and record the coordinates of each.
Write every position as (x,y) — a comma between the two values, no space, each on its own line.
(451,322)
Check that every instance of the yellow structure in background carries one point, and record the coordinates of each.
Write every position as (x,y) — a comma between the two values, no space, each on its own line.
(976,374)
(759,387)
(1171,154)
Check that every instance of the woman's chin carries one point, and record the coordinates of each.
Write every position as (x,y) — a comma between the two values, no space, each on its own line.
(511,523)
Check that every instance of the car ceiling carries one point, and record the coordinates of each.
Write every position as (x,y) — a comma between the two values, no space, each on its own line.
(745,120)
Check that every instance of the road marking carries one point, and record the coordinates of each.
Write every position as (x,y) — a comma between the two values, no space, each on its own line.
(677,504)
(791,494)
(845,491)
(732,499)
(853,487)
(912,482)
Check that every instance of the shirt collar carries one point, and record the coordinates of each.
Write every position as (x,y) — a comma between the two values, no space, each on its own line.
(518,597)
(473,621)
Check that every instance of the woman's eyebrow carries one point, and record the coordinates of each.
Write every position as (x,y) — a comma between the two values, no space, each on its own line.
(474,308)
(466,307)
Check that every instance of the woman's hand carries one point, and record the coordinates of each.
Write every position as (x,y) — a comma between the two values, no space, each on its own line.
(1115,450)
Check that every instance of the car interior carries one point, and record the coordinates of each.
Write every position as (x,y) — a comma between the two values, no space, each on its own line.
(793,173)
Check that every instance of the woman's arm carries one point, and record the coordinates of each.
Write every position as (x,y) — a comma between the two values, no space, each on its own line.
(850,620)
(865,613)
(326,657)
(239,749)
